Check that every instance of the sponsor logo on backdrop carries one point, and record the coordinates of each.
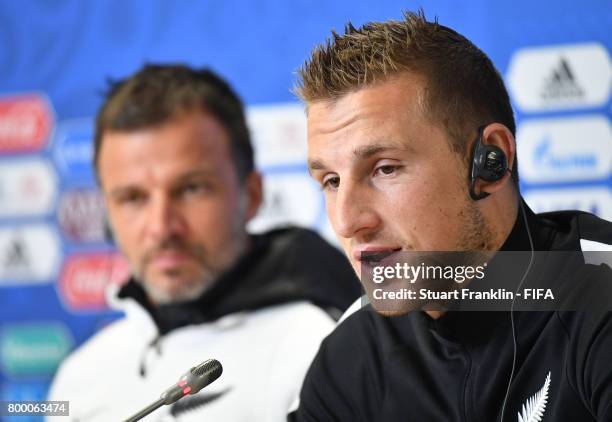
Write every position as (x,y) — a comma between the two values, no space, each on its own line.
(289,199)
(597,200)
(27,188)
(85,277)
(279,133)
(560,77)
(565,150)
(29,349)
(73,149)
(28,254)
(26,122)
(562,83)
(81,215)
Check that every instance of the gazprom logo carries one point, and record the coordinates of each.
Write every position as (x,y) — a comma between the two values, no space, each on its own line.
(545,156)
(73,149)
(565,150)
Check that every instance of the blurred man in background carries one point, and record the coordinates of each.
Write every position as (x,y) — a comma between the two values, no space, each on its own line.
(411,136)
(175,164)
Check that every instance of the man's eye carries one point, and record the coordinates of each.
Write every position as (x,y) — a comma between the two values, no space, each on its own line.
(194,188)
(386,169)
(331,182)
(132,198)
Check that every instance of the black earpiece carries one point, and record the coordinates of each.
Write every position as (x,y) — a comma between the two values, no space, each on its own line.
(488,163)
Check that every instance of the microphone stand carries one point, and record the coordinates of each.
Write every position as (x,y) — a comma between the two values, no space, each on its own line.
(144,412)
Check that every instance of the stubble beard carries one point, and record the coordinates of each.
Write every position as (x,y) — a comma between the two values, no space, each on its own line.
(477,239)
(476,234)
(192,289)
(474,245)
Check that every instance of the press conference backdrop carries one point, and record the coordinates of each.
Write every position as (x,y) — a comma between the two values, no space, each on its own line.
(57,56)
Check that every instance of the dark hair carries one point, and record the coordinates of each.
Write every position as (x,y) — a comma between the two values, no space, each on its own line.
(158,93)
(463,89)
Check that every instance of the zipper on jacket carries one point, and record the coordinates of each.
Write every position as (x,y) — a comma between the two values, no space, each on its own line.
(154,344)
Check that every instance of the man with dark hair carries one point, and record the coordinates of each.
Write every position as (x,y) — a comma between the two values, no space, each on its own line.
(411,136)
(174,161)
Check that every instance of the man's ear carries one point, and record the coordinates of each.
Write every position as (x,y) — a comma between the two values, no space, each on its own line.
(253,190)
(499,135)
(109,235)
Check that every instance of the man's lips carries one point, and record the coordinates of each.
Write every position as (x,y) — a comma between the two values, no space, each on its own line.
(374,254)
(170,259)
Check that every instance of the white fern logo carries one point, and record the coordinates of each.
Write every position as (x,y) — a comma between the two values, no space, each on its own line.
(533,409)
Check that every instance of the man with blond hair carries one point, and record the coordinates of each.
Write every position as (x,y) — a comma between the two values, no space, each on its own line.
(412,137)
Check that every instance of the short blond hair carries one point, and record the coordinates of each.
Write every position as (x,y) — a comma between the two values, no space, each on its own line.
(463,89)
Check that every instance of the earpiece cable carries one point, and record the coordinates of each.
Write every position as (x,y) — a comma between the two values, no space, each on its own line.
(514,344)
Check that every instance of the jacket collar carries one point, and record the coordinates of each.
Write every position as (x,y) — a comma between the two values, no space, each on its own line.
(476,327)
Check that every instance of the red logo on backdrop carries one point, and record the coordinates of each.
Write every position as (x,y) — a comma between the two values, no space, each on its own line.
(25,123)
(85,277)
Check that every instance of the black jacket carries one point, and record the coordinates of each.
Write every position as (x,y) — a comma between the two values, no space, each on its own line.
(457,368)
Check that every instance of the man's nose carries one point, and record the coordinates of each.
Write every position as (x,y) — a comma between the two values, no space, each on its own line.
(164,219)
(354,210)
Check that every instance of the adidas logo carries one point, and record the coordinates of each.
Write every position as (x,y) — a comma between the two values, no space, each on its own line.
(561,84)
(15,260)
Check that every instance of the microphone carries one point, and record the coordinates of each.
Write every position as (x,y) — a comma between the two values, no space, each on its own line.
(190,383)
